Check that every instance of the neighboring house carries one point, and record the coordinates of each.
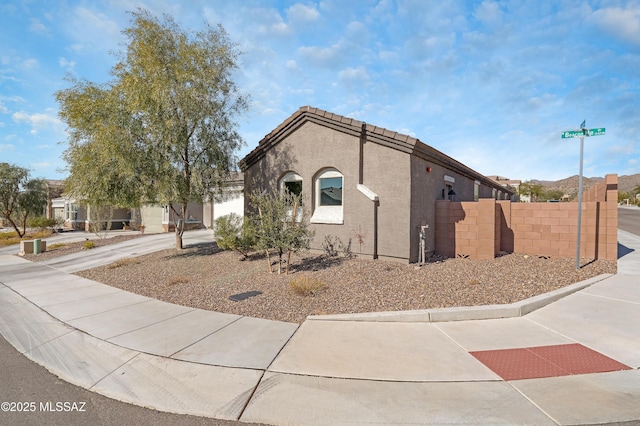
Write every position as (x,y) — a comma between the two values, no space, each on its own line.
(161,218)
(362,183)
(55,188)
(77,217)
(513,184)
(231,200)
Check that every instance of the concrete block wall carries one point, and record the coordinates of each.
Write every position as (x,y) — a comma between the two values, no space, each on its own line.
(481,230)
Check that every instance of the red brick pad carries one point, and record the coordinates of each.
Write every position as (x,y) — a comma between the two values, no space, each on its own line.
(547,361)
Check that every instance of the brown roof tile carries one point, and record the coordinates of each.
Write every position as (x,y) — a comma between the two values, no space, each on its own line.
(402,142)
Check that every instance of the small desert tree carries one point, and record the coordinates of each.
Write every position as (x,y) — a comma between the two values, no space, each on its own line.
(279,225)
(20,196)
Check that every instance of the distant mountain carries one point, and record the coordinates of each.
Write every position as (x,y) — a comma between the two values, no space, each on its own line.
(570,185)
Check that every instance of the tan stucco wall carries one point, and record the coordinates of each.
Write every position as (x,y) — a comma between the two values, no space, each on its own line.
(312,148)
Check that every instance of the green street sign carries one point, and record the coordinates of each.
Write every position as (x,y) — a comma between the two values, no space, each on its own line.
(572,134)
(581,133)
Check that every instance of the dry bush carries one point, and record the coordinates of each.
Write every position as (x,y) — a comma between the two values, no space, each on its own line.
(306,285)
(179,280)
(124,262)
(88,245)
(56,246)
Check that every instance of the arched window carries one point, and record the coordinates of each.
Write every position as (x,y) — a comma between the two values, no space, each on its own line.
(328,197)
(292,182)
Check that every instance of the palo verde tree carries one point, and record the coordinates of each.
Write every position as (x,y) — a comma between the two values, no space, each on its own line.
(163,130)
(20,196)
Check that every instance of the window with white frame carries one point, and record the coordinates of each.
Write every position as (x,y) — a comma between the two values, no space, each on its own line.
(71,212)
(328,197)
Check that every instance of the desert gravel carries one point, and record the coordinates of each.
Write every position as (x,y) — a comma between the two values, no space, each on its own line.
(205,277)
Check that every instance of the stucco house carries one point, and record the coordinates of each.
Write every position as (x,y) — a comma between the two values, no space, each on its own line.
(362,183)
(229,200)
(74,215)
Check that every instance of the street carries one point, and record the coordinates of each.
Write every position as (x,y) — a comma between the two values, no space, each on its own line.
(629,219)
(46,400)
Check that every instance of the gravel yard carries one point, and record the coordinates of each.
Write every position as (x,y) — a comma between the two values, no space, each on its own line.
(205,277)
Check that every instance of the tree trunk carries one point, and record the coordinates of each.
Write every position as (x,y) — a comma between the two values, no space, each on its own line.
(293,225)
(180,227)
(266,250)
(15,227)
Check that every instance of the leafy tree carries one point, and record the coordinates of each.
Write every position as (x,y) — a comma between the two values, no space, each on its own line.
(163,130)
(20,197)
(231,232)
(622,195)
(635,193)
(279,225)
(552,194)
(533,190)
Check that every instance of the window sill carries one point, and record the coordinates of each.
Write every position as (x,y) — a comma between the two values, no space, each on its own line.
(328,215)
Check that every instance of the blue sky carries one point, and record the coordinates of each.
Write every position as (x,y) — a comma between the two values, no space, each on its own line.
(490,83)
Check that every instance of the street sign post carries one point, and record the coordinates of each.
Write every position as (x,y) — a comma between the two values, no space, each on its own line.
(582,133)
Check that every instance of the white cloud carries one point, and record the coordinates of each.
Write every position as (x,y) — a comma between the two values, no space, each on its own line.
(627,149)
(65,63)
(29,63)
(38,27)
(620,23)
(351,77)
(326,57)
(291,65)
(41,166)
(489,13)
(4,147)
(92,30)
(37,121)
(299,13)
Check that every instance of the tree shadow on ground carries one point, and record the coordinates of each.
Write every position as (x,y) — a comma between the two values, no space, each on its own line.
(198,249)
(316,263)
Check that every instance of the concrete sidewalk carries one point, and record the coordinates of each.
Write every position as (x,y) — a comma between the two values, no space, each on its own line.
(376,368)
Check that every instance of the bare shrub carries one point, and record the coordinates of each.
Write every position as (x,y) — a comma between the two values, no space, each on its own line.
(124,262)
(56,246)
(306,285)
(179,280)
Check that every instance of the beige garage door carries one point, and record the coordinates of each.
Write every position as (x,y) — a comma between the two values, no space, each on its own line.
(152,219)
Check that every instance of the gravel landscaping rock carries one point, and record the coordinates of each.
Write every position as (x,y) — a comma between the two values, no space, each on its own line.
(205,277)
(62,249)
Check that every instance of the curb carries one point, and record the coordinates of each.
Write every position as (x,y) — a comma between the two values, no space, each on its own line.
(517,309)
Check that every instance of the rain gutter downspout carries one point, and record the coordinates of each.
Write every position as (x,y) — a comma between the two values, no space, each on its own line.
(366,191)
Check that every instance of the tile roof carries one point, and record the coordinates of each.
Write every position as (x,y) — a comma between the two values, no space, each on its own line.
(379,135)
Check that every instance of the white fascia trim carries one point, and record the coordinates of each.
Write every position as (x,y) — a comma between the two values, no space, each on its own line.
(367,192)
